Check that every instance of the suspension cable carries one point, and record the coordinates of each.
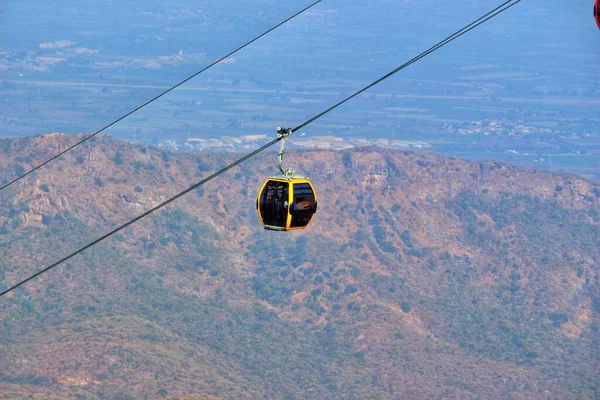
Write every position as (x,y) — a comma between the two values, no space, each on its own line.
(459,33)
(150,211)
(158,96)
(450,38)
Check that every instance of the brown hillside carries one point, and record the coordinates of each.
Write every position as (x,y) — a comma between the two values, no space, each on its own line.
(421,276)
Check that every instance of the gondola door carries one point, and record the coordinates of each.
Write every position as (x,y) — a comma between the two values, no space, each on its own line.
(274,205)
(304,204)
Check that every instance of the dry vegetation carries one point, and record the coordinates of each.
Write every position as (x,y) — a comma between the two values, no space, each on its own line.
(422,276)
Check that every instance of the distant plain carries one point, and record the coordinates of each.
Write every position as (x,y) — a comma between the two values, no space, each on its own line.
(521,88)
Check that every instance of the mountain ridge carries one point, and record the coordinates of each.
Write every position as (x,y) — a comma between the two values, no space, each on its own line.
(414,264)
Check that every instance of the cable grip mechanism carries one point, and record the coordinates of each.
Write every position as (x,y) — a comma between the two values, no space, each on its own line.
(282,133)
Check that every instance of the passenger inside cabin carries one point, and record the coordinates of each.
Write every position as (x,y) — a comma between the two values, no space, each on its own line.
(303,204)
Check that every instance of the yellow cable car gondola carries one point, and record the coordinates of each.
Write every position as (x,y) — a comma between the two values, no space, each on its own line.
(286,201)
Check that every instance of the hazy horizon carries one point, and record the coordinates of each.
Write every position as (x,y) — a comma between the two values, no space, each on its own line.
(520,88)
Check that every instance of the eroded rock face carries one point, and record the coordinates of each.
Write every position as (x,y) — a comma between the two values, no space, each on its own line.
(415,263)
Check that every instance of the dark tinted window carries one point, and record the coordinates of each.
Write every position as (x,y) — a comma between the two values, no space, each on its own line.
(303,206)
(303,196)
(273,203)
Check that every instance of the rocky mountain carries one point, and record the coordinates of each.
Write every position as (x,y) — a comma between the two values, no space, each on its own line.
(421,276)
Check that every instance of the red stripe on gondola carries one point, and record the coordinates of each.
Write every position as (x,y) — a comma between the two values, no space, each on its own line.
(597,13)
